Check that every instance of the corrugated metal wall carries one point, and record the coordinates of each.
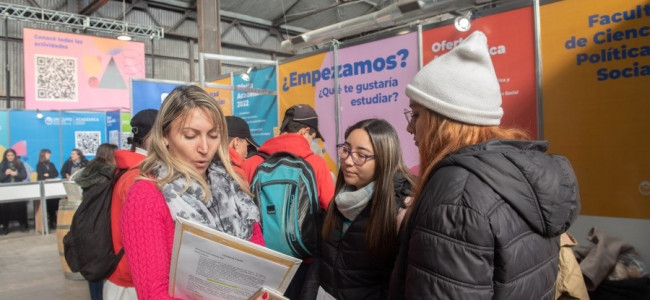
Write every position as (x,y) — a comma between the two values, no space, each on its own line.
(170,58)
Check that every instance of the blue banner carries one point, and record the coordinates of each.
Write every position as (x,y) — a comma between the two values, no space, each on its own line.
(58,131)
(30,134)
(259,110)
(4,131)
(113,127)
(84,131)
(146,94)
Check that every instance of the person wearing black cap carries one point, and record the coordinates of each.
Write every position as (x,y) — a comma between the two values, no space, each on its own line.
(119,284)
(299,128)
(239,141)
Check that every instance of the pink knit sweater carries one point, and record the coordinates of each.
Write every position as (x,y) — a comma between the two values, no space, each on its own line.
(148,235)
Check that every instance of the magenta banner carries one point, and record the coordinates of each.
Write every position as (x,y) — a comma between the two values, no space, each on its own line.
(72,71)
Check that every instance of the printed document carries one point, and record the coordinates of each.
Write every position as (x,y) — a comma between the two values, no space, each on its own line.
(209,264)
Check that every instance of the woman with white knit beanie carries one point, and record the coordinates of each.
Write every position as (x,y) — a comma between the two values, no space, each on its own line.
(490,205)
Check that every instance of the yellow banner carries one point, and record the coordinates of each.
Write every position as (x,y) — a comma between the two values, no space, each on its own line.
(296,87)
(596,68)
(222,96)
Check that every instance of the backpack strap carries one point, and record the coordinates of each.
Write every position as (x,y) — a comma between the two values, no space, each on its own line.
(263,155)
(119,174)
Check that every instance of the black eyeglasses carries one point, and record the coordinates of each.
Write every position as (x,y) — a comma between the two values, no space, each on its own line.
(357,158)
(408,114)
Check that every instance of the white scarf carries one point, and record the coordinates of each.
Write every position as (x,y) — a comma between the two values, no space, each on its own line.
(351,202)
(229,210)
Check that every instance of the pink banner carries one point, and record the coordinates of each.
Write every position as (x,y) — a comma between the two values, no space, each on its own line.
(71,71)
(373,77)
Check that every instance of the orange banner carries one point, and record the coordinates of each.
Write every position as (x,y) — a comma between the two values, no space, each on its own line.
(596,63)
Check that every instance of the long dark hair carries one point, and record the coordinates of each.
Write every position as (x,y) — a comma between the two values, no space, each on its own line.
(41,155)
(4,156)
(381,233)
(105,154)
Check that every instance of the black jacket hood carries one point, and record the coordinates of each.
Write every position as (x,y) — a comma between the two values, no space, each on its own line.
(542,188)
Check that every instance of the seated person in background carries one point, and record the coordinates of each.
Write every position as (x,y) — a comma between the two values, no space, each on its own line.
(186,175)
(45,170)
(12,170)
(75,163)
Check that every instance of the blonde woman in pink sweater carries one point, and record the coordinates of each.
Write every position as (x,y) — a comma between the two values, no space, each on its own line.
(187,174)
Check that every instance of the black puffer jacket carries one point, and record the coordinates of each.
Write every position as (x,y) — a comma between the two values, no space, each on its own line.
(343,266)
(487,225)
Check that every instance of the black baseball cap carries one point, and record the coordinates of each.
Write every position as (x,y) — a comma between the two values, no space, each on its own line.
(303,114)
(142,122)
(237,127)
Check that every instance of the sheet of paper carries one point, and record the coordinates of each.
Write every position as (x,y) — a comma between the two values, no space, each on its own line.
(213,265)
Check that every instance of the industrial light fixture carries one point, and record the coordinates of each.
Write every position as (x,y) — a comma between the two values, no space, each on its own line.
(247,76)
(39,114)
(463,22)
(392,15)
(124,36)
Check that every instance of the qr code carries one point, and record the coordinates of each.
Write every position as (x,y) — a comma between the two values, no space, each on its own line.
(87,141)
(124,141)
(56,78)
(114,137)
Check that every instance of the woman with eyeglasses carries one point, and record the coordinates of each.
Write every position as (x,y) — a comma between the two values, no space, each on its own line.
(359,237)
(491,205)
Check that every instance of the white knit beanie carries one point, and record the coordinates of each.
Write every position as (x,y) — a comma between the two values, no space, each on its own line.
(461,84)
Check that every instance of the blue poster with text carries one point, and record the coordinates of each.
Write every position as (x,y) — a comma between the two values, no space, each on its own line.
(260,110)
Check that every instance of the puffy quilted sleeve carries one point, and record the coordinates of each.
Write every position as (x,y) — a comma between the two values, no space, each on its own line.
(450,249)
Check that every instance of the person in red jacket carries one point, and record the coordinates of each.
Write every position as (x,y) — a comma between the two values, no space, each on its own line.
(239,140)
(119,285)
(299,128)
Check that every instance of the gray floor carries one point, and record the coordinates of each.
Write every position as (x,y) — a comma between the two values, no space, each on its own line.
(30,269)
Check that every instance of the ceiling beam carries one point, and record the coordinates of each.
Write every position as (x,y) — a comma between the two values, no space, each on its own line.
(92,7)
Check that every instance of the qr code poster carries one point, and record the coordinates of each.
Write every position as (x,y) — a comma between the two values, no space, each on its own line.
(56,78)
(67,71)
(114,137)
(124,141)
(87,141)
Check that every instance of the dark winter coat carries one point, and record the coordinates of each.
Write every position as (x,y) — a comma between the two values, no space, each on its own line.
(344,267)
(66,169)
(487,225)
(94,173)
(16,165)
(46,167)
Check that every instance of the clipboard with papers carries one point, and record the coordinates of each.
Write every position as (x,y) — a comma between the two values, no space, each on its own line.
(209,264)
